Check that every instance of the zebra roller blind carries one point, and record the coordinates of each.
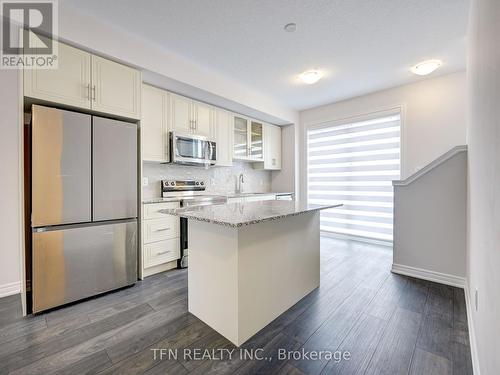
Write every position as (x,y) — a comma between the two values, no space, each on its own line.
(354,163)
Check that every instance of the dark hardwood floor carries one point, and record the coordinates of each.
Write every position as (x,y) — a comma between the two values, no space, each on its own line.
(380,322)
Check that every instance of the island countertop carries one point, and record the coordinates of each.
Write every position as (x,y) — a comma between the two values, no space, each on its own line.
(246,213)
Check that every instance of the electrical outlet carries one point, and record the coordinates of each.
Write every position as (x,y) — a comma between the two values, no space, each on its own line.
(145,181)
(476,299)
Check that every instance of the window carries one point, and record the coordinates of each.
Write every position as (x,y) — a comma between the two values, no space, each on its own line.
(354,163)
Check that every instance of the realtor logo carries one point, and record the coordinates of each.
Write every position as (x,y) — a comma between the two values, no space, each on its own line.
(28,34)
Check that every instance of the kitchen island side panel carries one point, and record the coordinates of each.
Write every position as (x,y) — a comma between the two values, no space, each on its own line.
(279,264)
(213,276)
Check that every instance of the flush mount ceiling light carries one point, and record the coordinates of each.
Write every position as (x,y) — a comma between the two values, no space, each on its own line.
(290,27)
(311,76)
(426,67)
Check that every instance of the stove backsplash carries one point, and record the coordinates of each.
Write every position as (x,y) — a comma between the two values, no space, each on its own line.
(219,180)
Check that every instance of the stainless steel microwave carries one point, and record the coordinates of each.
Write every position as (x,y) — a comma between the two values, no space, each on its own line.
(189,149)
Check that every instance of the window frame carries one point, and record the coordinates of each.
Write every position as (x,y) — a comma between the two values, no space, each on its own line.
(387,111)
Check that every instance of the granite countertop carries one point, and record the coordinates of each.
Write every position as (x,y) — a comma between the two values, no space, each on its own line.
(228,195)
(246,213)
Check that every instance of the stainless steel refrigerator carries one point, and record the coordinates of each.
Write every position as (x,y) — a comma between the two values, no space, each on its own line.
(83,205)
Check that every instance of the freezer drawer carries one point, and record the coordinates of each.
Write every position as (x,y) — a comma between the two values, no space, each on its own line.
(115,169)
(78,262)
(61,160)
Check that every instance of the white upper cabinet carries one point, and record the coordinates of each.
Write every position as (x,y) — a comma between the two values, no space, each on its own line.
(116,88)
(237,137)
(190,116)
(203,115)
(256,140)
(69,84)
(223,129)
(154,134)
(248,139)
(272,147)
(83,80)
(181,117)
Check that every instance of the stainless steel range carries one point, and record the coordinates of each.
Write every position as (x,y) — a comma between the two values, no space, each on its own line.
(189,193)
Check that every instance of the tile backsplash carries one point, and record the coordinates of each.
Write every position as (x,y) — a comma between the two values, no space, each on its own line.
(219,180)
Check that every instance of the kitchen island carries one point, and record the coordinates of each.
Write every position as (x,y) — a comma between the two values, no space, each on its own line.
(250,262)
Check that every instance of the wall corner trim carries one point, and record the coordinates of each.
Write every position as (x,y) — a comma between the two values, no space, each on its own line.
(424,274)
(472,332)
(10,289)
(436,162)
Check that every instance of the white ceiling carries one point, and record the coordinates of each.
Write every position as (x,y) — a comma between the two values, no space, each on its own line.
(362,45)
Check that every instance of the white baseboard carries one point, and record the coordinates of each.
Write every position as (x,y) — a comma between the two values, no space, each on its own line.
(472,332)
(10,289)
(160,268)
(421,273)
(341,236)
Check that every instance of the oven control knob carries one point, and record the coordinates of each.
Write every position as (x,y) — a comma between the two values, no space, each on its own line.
(202,183)
(172,183)
(197,182)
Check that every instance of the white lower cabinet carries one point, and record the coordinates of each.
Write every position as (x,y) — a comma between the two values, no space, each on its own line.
(158,253)
(161,229)
(160,238)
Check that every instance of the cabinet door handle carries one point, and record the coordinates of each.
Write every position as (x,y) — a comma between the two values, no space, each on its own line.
(87,92)
(162,229)
(93,93)
(163,252)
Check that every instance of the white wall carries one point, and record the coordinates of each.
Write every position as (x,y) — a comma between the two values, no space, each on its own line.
(433,122)
(9,186)
(430,216)
(484,181)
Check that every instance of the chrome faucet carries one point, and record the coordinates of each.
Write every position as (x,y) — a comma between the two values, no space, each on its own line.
(239,184)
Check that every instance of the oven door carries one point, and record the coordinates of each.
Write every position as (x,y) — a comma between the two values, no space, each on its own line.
(192,150)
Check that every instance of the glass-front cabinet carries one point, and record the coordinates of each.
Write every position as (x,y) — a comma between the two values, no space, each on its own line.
(256,140)
(248,139)
(240,147)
